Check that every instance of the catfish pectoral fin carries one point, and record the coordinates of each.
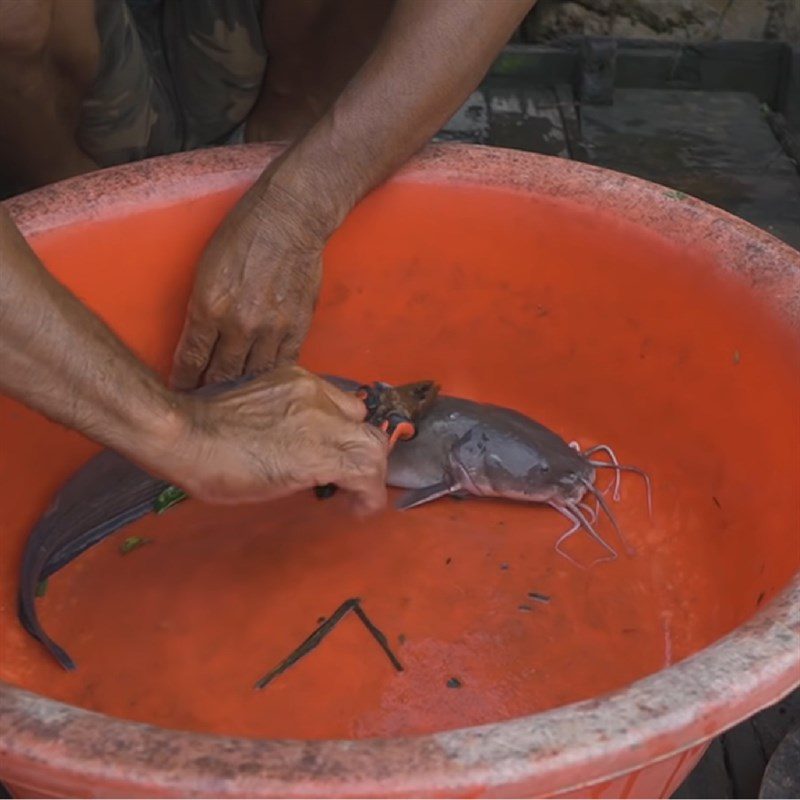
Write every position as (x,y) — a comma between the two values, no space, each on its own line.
(417,497)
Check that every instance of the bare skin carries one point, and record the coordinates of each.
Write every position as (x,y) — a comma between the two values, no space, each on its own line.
(313,52)
(390,75)
(49,52)
(271,437)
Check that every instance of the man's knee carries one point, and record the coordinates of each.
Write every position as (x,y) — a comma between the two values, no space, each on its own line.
(27,27)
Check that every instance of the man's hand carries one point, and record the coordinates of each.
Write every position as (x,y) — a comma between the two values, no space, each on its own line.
(254,293)
(270,437)
(276,435)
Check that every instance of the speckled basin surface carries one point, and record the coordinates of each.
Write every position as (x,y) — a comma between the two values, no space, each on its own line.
(612,310)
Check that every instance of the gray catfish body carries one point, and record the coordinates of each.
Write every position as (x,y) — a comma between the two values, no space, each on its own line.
(468,448)
(461,447)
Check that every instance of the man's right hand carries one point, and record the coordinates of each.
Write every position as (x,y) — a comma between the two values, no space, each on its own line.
(275,435)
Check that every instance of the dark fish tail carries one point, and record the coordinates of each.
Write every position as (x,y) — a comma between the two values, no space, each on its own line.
(106,494)
(30,621)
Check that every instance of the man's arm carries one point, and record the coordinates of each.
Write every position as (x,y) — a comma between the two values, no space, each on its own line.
(258,279)
(268,438)
(431,55)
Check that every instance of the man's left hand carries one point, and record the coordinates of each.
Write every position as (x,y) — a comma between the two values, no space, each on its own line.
(254,293)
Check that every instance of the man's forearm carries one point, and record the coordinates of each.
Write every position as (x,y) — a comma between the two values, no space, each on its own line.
(57,357)
(430,56)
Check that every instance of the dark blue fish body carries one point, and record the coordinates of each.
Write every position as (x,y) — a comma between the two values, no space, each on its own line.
(461,447)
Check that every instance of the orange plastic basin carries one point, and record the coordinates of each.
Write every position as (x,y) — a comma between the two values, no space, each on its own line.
(608,308)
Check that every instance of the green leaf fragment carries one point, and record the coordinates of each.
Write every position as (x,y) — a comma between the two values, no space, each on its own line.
(171,496)
(511,64)
(676,194)
(132,543)
(41,588)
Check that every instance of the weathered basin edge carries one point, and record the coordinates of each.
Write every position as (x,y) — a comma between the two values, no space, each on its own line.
(667,716)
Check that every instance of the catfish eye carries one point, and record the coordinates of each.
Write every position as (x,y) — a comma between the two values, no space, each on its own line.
(544,468)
